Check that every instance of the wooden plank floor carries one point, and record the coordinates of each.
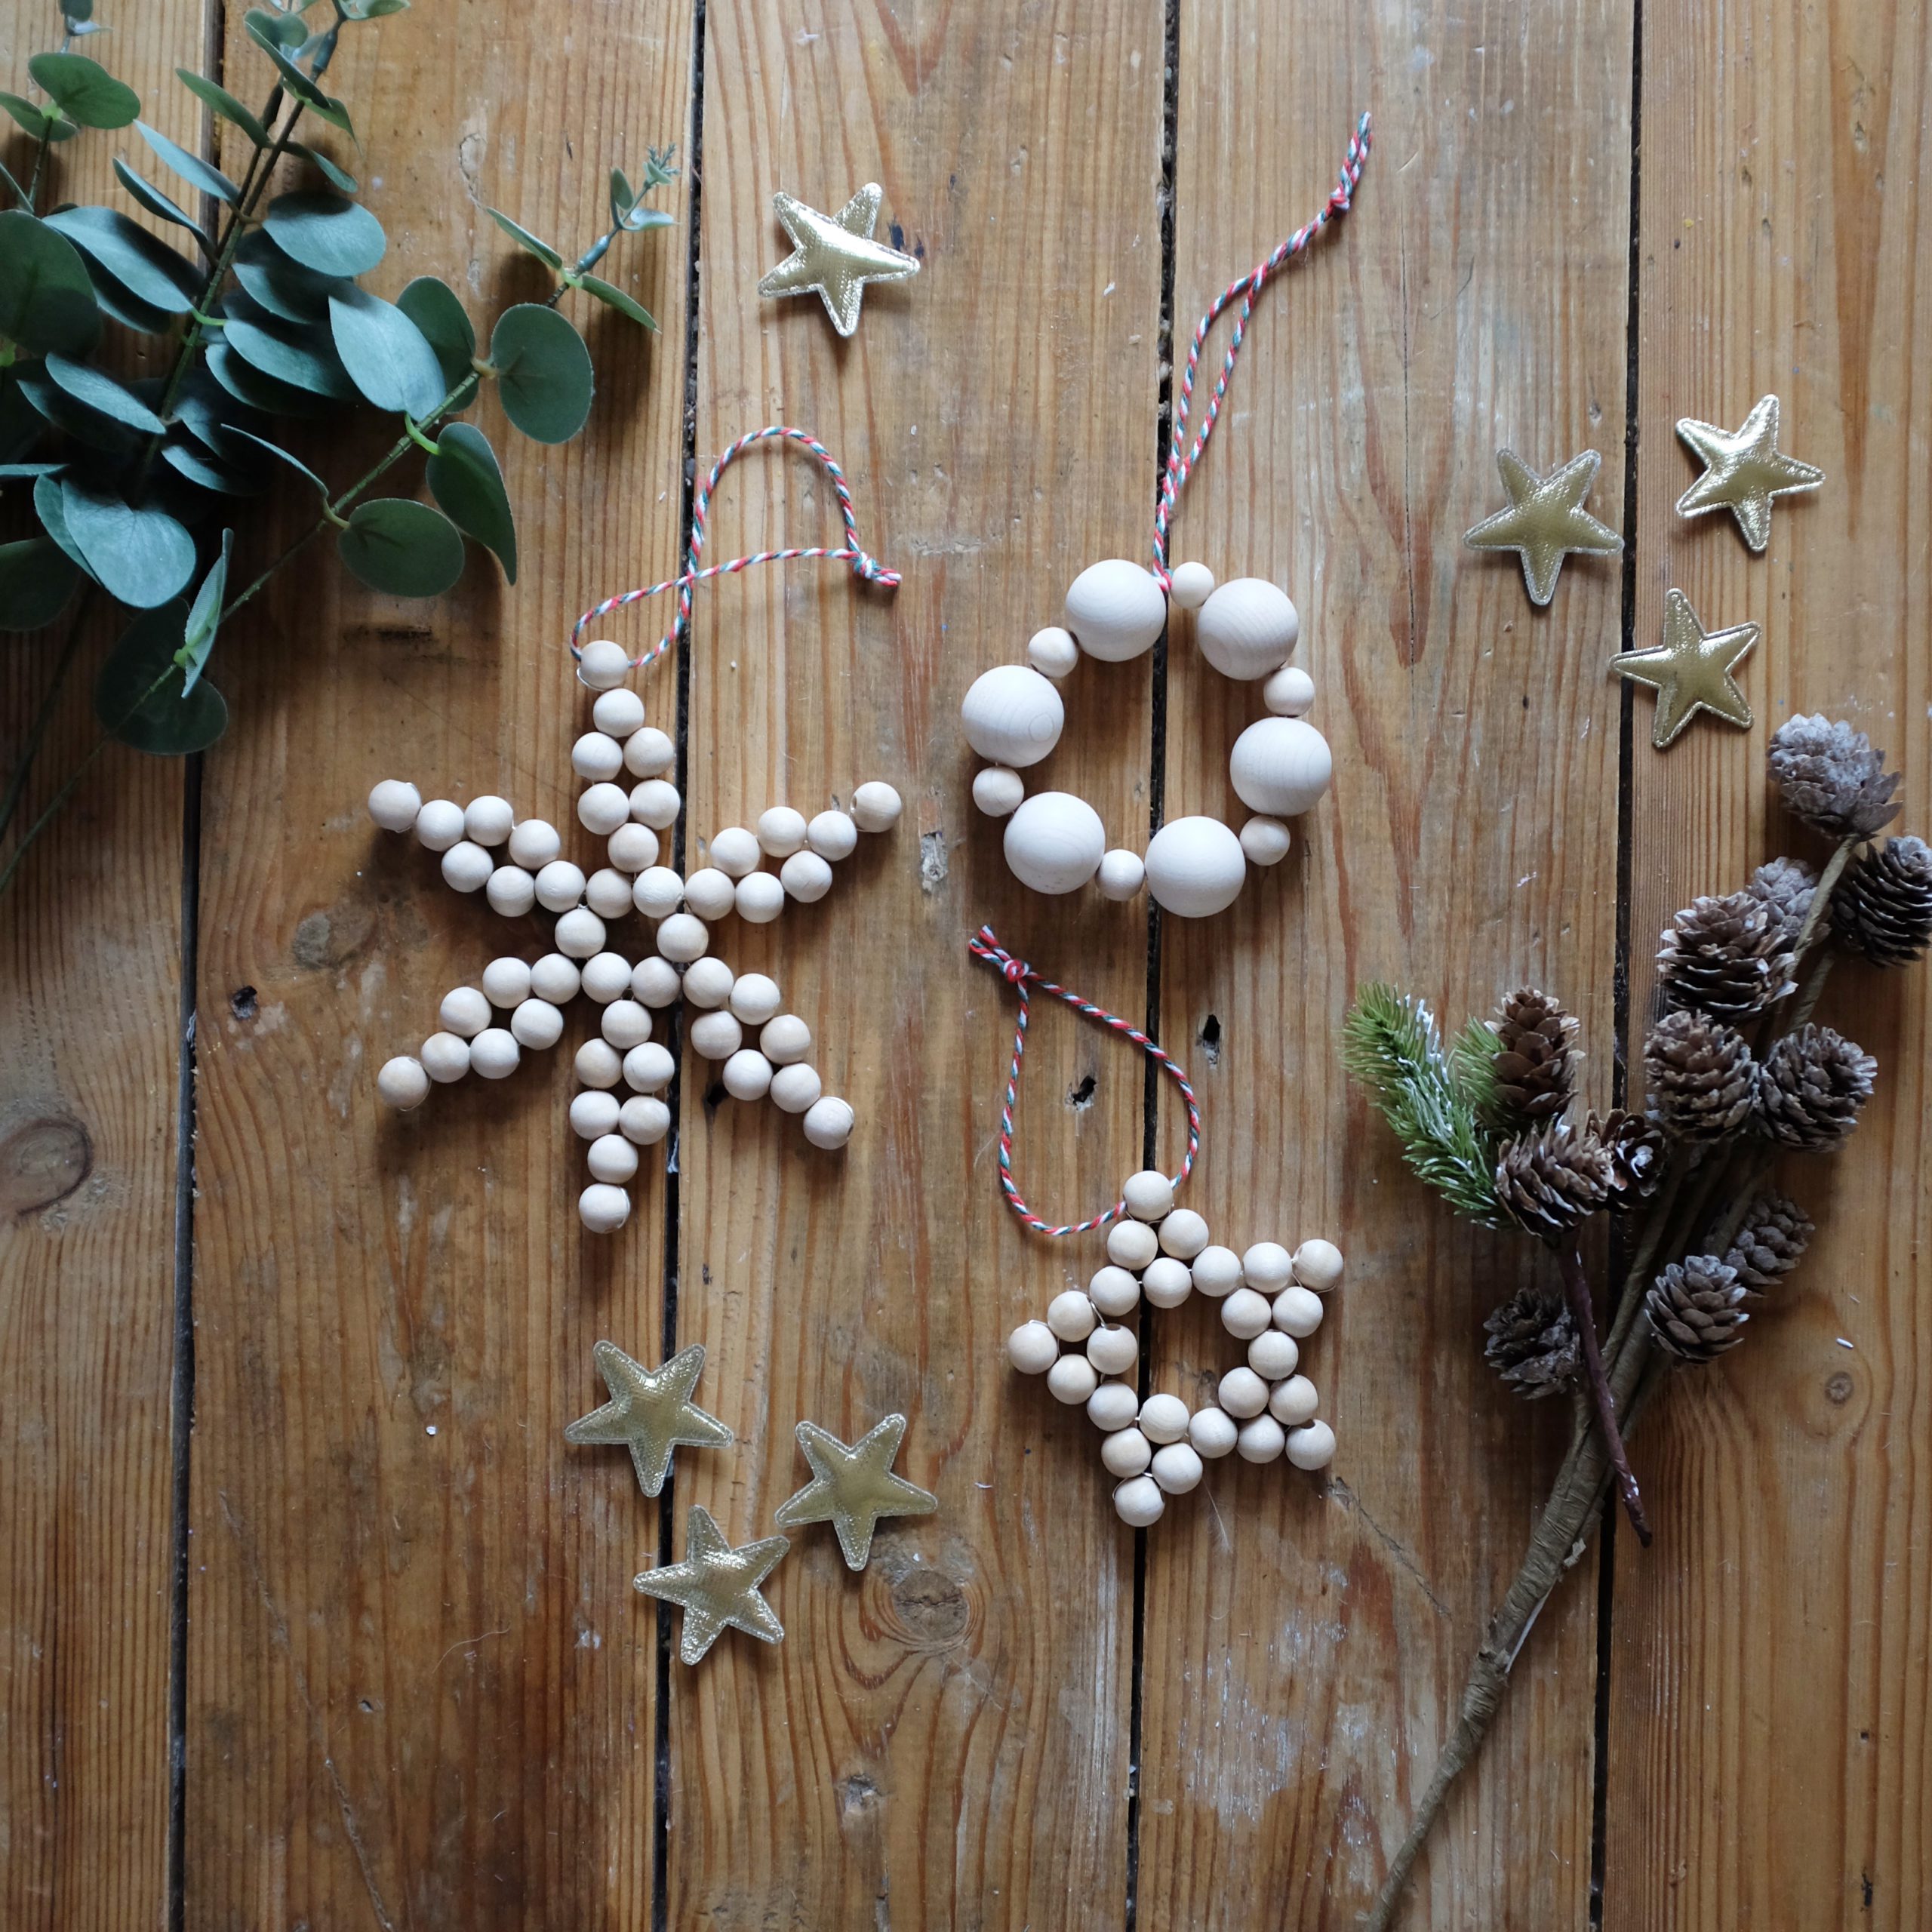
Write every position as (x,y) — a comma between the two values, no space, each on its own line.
(312,1618)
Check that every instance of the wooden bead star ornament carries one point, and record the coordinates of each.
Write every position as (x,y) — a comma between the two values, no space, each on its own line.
(1115,610)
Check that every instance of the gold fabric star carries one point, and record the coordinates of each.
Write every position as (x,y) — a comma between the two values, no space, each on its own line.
(835,255)
(1743,471)
(1546,520)
(853,1486)
(650,1412)
(716,1585)
(1690,671)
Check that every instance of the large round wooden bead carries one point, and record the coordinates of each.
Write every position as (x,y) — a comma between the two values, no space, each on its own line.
(595,1113)
(832,835)
(1293,1402)
(534,842)
(1114,1291)
(710,893)
(747,1074)
(716,1035)
(445,1057)
(1011,715)
(1052,652)
(1176,1468)
(1195,867)
(998,790)
(560,886)
(537,1024)
(598,1063)
(467,866)
(643,1120)
(1032,1348)
(1245,1314)
(1317,1265)
(648,1069)
(828,1121)
(1072,1379)
(1139,1503)
(493,1053)
(1113,1406)
(607,892)
(602,666)
(1113,1351)
(438,825)
(606,976)
(1266,1266)
(1163,1418)
(785,1039)
(1070,1315)
(1261,1439)
(755,998)
(1311,1446)
(394,805)
(618,713)
(1280,766)
(1126,1453)
(1054,841)
(1212,1431)
(1298,1312)
(876,806)
(506,982)
(603,808)
(1216,1271)
(579,933)
(655,983)
(649,753)
(556,979)
(795,1088)
(611,1157)
(1184,1233)
(805,877)
(487,819)
(760,898)
(1149,1195)
(1166,1284)
(683,938)
(781,831)
(655,803)
(602,1208)
(1273,1355)
(708,982)
(735,850)
(1246,627)
(1131,1244)
(597,756)
(1242,1393)
(626,1024)
(657,892)
(510,891)
(1115,610)
(633,848)
(465,1010)
(402,1082)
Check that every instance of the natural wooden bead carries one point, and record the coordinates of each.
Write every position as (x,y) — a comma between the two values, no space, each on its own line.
(537,1024)
(1317,1265)
(467,866)
(710,893)
(602,666)
(1052,652)
(1054,841)
(1122,874)
(611,1157)
(607,892)
(761,898)
(1280,766)
(1166,1284)
(1261,1440)
(1290,692)
(1139,1503)
(465,1011)
(1190,585)
(510,891)
(579,933)
(595,1113)
(1114,1291)
(1266,1266)
(805,877)
(781,831)
(648,753)
(785,1039)
(1242,1393)
(734,850)
(832,835)
(1113,1351)
(716,1035)
(534,842)
(556,979)
(1266,841)
(1273,1355)
(602,1208)
(1131,1244)
(438,825)
(597,756)
(643,1120)
(997,789)
(1072,1379)
(658,892)
(599,1064)
(1032,1348)
(828,1121)
(682,938)
(626,1024)
(876,806)
(633,848)
(506,982)
(1298,1312)
(1195,867)
(1311,1446)
(1126,1453)
(487,820)
(648,1069)
(747,1074)
(755,998)
(403,1082)
(655,983)
(1012,715)
(606,976)
(1294,1401)
(1112,1405)
(1212,1431)
(1176,1468)
(1148,1195)
(394,804)
(1114,610)
(655,803)
(619,712)
(1246,626)
(1163,1418)
(445,1056)
(560,886)
(708,982)
(603,808)
(1244,1314)
(795,1088)
(493,1053)
(1182,1234)
(1216,1271)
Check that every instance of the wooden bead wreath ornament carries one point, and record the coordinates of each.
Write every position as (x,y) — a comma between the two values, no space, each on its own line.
(1246,627)
(1160,1253)
(517,865)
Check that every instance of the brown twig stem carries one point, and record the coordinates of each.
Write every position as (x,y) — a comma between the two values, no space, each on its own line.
(1576,1288)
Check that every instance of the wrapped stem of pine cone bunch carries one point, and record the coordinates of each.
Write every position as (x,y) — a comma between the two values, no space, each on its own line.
(1737,1073)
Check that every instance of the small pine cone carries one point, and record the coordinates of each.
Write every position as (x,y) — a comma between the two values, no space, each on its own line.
(1883,906)
(1832,778)
(1726,957)
(1772,1244)
(1547,1182)
(1635,1146)
(1810,1087)
(1703,1079)
(1536,1063)
(1786,885)
(1695,1307)
(1533,1344)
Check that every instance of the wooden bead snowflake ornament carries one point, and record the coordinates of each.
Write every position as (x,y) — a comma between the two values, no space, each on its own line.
(1159,1255)
(1246,627)
(628,801)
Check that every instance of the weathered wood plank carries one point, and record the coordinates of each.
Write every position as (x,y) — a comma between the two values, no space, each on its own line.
(1769,1755)
(420,1691)
(1306,1640)
(944,1740)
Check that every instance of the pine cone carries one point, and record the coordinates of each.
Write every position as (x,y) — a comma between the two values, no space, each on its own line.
(1548,1182)
(1786,886)
(1775,1234)
(1694,1308)
(1703,1079)
(1726,957)
(1832,778)
(1535,1064)
(1883,906)
(1533,1344)
(1635,1146)
(1810,1087)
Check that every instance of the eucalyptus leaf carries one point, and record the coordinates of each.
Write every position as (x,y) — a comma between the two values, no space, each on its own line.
(36,579)
(639,220)
(143,264)
(199,174)
(435,309)
(337,177)
(464,477)
(21,424)
(328,233)
(303,86)
(219,100)
(372,9)
(120,304)
(86,425)
(141,698)
(208,412)
(291,353)
(152,199)
(32,117)
(49,507)
(274,29)
(46,299)
(403,547)
(623,196)
(387,356)
(614,297)
(294,463)
(205,472)
(283,288)
(22,472)
(84,90)
(522,237)
(203,618)
(543,372)
(258,391)
(95,390)
(141,556)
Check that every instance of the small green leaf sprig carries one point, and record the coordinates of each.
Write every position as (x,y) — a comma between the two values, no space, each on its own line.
(134,484)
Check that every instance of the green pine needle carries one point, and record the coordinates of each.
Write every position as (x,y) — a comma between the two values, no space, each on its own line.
(1472,1060)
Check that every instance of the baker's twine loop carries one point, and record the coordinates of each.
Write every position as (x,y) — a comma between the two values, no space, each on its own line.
(1021,977)
(866,568)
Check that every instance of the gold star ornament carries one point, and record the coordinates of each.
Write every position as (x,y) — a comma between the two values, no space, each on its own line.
(1691,671)
(650,1411)
(1743,470)
(1546,520)
(717,1586)
(835,256)
(853,1486)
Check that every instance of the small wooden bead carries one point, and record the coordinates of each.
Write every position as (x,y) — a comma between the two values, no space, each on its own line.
(602,666)
(1266,1266)
(1266,841)
(682,938)
(1163,1418)
(761,898)
(655,983)
(506,982)
(611,1157)
(560,886)
(537,1024)
(1131,1244)
(603,808)
(785,1039)
(1149,1195)
(1113,1351)
(394,804)
(607,892)
(997,789)
(648,1069)
(606,976)
(467,866)
(1290,692)
(1176,1468)
(1246,626)
(1195,867)
(487,820)
(1273,1355)
(1033,1348)
(1216,1271)
(1317,1265)
(1242,1393)
(1190,585)
(755,998)
(619,712)
(828,1121)
(1070,1315)
(403,1082)
(1166,1284)
(781,831)
(1122,874)
(655,803)
(594,1113)
(649,753)
(438,825)
(1114,1291)
(556,979)
(1011,715)
(597,756)
(805,877)
(602,1208)
(445,1056)
(734,851)
(1052,652)
(1126,1453)
(599,1064)
(708,982)
(510,891)
(1293,1402)
(1280,766)
(658,892)
(747,1074)
(643,1120)
(1311,1446)
(1054,841)
(1072,1379)
(875,807)
(579,933)
(465,1011)
(1212,1431)
(711,894)
(1114,610)
(633,848)
(626,1024)
(534,842)
(832,835)
(1139,1503)
(1298,1312)
(795,1088)
(1182,1234)
(1244,1314)
(1261,1440)
(493,1053)
(1112,1405)
(716,1035)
